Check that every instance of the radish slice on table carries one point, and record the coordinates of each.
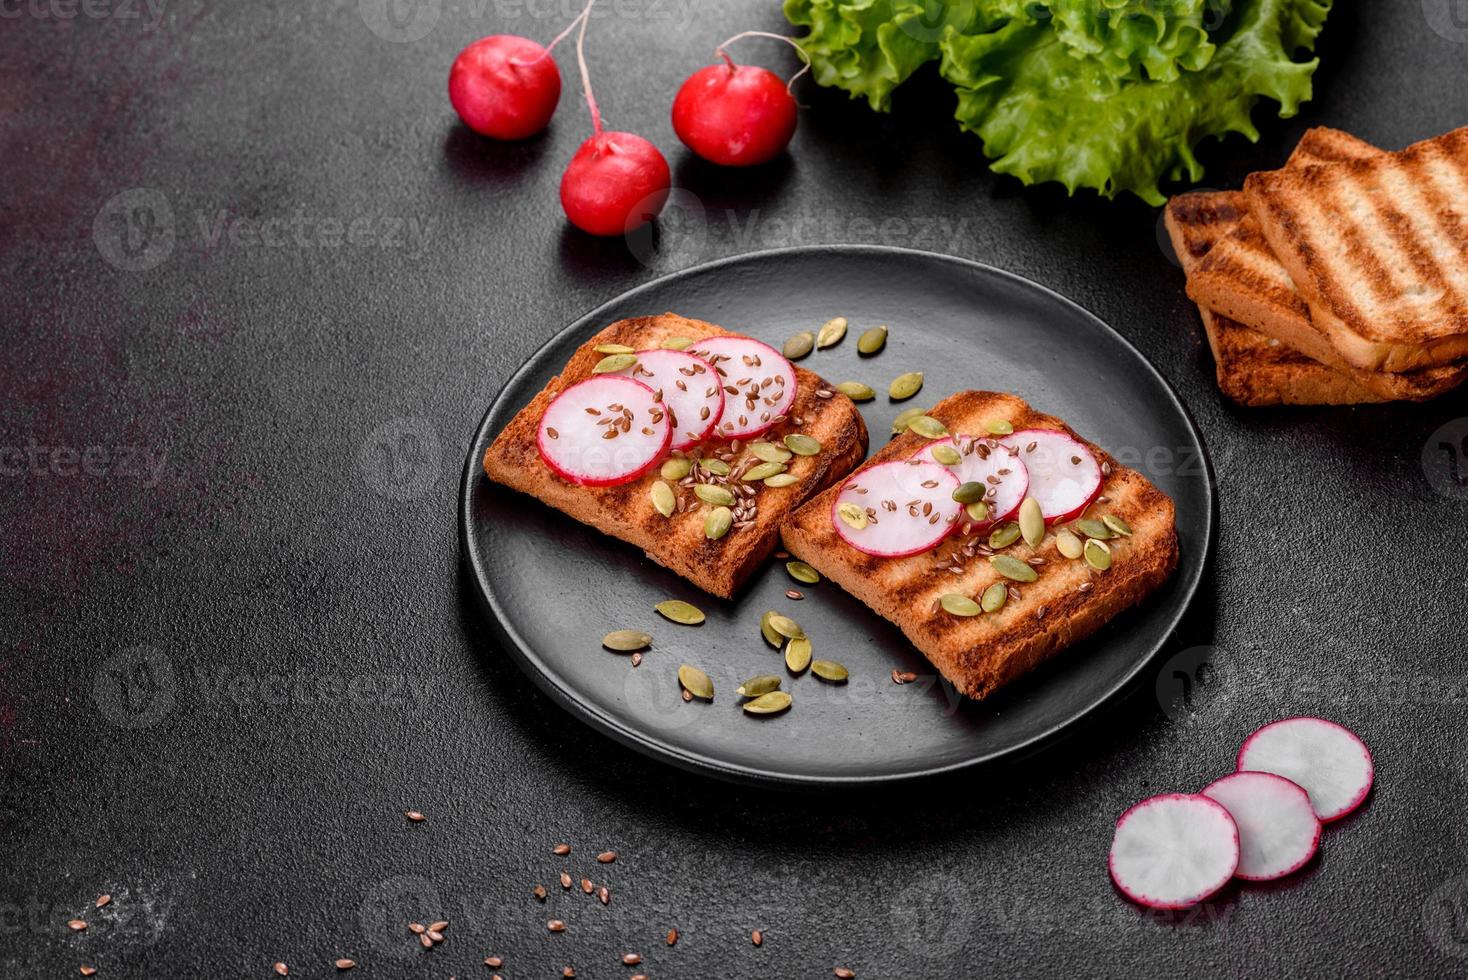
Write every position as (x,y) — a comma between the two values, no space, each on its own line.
(763,383)
(985,461)
(1278,829)
(1173,851)
(575,437)
(690,390)
(1328,761)
(1064,476)
(897,509)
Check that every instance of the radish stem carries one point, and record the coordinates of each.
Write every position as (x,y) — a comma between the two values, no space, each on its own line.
(805,58)
(579,18)
(586,75)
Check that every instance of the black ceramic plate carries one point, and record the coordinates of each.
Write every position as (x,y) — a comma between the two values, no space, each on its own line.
(553,587)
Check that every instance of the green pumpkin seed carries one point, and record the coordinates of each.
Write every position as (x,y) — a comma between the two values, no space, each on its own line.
(676,469)
(829,670)
(802,445)
(768,632)
(947,455)
(717,523)
(1031,522)
(626,641)
(1070,546)
(971,492)
(614,349)
(761,471)
(756,686)
(1093,528)
(680,612)
(769,452)
(904,386)
(715,466)
(872,340)
(613,363)
(959,605)
(1098,555)
(1004,535)
(978,510)
(1012,568)
(696,682)
(994,597)
(1118,525)
(928,427)
(768,704)
(999,427)
(900,423)
(663,498)
(797,655)
(677,343)
(711,493)
(852,516)
(782,480)
(831,332)
(802,572)
(786,627)
(800,345)
(856,391)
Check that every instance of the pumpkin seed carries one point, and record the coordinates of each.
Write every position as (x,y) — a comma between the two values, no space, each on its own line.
(900,423)
(613,363)
(1031,522)
(716,466)
(769,452)
(1118,525)
(762,471)
(717,523)
(676,469)
(1098,555)
(947,455)
(782,480)
(959,605)
(978,510)
(994,597)
(1012,568)
(711,493)
(786,627)
(856,391)
(1093,528)
(904,386)
(800,345)
(677,343)
(768,704)
(680,612)
(829,670)
(1004,535)
(852,515)
(696,682)
(802,444)
(999,427)
(971,492)
(663,498)
(928,427)
(802,572)
(626,641)
(755,686)
(797,655)
(614,349)
(831,332)
(768,632)
(872,340)
(1070,546)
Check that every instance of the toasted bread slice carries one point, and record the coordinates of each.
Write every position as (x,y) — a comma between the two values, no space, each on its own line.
(1070,600)
(1378,249)
(626,512)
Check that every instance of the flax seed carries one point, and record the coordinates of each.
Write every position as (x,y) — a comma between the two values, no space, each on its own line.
(103,900)
(414,816)
(607,857)
(282,969)
(494,962)
(757,937)
(76,925)
(345,964)
(631,959)
(565,880)
(539,891)
(556,925)
(672,937)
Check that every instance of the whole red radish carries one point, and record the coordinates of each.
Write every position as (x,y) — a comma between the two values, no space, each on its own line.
(505,87)
(615,183)
(735,115)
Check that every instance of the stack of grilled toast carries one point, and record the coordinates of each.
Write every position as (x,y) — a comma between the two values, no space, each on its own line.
(1340,279)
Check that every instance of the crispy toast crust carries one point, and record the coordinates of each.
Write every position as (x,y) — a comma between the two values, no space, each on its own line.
(626,512)
(979,655)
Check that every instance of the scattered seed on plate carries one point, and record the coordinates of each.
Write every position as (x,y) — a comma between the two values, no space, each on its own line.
(792,594)
(797,655)
(695,682)
(802,572)
(904,386)
(900,423)
(856,391)
(872,341)
(626,641)
(829,670)
(799,346)
(680,612)
(768,704)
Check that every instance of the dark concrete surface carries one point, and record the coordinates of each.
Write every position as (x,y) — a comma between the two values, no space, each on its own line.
(237,646)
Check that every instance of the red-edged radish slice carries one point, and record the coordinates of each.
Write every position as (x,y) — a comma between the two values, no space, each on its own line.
(897,509)
(690,390)
(982,460)
(1174,850)
(1278,829)
(573,438)
(1064,476)
(763,383)
(1327,760)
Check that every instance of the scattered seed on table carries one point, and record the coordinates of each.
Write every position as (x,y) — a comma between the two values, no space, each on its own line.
(494,962)
(792,594)
(439,926)
(76,925)
(757,937)
(417,928)
(414,816)
(587,886)
(607,857)
(604,895)
(556,925)
(561,850)
(568,972)
(672,937)
(631,959)
(565,880)
(103,900)
(427,943)
(87,971)
(637,660)
(539,892)
(434,935)
(844,973)
(282,969)
(345,964)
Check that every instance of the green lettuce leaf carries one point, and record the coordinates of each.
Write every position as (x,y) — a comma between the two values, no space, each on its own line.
(1137,38)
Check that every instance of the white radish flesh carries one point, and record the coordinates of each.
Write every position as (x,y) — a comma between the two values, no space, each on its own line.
(985,461)
(691,392)
(1173,851)
(573,437)
(901,508)
(1278,829)
(1064,475)
(1330,762)
(762,379)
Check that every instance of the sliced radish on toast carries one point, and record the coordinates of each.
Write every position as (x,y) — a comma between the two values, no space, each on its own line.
(897,509)
(1328,761)
(758,382)
(604,431)
(1064,475)
(1278,829)
(1173,851)
(986,462)
(691,392)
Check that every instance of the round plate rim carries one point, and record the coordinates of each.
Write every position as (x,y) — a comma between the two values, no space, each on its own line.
(657,747)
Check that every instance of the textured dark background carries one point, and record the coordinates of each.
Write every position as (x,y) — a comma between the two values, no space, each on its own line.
(236,642)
